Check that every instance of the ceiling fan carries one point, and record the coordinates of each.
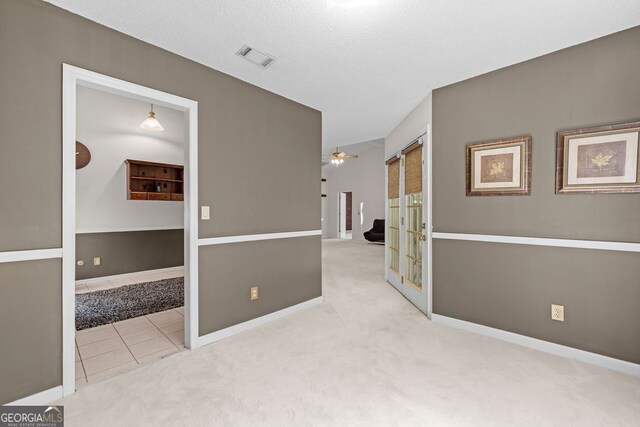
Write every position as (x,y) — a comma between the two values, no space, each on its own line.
(338,157)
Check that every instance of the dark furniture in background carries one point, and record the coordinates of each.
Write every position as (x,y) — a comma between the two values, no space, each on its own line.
(376,234)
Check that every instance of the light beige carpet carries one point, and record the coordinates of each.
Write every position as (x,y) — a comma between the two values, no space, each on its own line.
(365,357)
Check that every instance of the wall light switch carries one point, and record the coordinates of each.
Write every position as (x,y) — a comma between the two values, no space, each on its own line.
(80,263)
(205,213)
(254,293)
(557,312)
(97,261)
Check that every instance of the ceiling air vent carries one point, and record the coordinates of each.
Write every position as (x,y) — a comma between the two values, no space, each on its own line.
(255,56)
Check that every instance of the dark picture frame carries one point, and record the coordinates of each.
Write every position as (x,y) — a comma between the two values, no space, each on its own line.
(601,159)
(499,167)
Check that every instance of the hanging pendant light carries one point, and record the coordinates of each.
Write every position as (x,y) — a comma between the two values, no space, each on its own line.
(151,123)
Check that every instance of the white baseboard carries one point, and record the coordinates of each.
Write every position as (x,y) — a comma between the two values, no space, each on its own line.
(546,346)
(43,398)
(130,275)
(241,327)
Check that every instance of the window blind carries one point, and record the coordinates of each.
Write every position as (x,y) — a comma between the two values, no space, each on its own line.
(413,171)
(394,179)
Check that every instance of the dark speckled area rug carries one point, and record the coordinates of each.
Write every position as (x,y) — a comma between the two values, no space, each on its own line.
(126,302)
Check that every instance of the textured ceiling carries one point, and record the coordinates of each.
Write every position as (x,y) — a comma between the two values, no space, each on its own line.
(365,68)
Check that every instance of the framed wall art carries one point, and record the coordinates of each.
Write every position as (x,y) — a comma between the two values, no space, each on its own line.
(499,168)
(602,159)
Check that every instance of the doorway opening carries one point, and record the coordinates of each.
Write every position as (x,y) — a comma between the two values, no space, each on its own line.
(123,293)
(345,210)
(129,244)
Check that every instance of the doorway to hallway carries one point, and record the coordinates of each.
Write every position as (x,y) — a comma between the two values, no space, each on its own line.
(345,212)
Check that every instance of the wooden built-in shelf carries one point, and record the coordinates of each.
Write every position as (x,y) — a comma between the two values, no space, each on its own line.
(154,181)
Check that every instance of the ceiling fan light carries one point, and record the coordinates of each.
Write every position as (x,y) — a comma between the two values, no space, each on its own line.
(151,123)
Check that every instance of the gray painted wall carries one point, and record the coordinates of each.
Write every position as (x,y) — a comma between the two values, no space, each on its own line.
(364,177)
(585,85)
(511,287)
(128,252)
(243,131)
(30,327)
(222,265)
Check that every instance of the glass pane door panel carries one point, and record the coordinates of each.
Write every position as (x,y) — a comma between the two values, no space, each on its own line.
(394,235)
(413,256)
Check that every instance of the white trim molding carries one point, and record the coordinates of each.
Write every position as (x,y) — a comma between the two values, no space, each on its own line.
(249,324)
(131,275)
(542,241)
(256,237)
(30,255)
(428,201)
(71,78)
(540,345)
(42,398)
(128,230)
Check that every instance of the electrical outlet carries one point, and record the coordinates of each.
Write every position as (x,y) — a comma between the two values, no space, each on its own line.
(80,263)
(254,293)
(97,261)
(557,312)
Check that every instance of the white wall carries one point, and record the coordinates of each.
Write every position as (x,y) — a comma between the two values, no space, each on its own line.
(109,125)
(412,126)
(364,177)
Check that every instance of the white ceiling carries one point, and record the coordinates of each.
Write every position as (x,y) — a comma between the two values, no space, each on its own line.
(365,68)
(106,113)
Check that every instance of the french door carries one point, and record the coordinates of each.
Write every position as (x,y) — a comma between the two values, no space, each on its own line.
(393,234)
(406,244)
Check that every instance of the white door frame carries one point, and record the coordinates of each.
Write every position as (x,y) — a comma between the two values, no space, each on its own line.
(360,217)
(342,215)
(427,215)
(386,222)
(390,276)
(71,78)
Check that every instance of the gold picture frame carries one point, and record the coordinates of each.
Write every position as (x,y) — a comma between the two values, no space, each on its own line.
(499,168)
(602,159)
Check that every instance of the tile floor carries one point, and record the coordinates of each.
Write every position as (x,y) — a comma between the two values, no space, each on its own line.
(110,349)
